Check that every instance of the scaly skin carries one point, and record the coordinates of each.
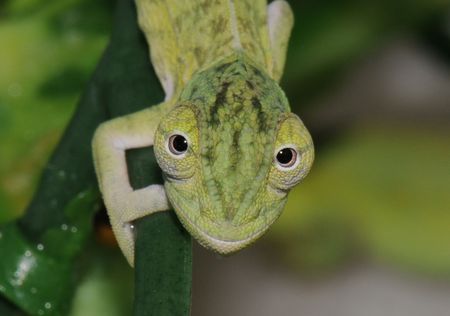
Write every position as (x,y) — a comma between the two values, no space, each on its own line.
(219,63)
(227,191)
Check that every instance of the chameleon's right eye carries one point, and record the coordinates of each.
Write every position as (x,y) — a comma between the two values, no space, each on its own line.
(178,144)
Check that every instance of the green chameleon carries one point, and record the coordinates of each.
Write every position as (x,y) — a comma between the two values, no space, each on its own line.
(226,141)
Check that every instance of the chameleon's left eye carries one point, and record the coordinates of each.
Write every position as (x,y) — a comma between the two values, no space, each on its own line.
(286,157)
(178,144)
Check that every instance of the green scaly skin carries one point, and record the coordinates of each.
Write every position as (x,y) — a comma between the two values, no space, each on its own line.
(225,191)
(222,95)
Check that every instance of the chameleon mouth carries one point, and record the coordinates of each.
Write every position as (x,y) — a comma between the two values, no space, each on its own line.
(217,233)
(223,246)
(278,191)
(226,247)
(172,178)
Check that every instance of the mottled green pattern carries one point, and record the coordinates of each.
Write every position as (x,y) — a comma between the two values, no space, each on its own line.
(253,31)
(239,107)
(217,59)
(186,35)
(227,189)
(215,62)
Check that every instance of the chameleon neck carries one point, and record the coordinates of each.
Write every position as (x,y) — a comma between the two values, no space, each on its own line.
(188,36)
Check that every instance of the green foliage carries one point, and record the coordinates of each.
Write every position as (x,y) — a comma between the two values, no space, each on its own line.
(44,66)
(106,287)
(58,221)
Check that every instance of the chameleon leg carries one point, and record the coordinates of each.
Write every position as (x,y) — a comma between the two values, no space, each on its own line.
(280,21)
(123,203)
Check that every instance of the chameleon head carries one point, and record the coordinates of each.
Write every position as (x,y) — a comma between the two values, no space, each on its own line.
(230,152)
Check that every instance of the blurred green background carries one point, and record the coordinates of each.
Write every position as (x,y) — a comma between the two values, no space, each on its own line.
(371,80)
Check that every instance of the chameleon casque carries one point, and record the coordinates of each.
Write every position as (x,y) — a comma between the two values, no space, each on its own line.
(228,146)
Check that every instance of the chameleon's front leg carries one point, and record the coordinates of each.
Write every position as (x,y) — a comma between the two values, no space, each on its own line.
(124,204)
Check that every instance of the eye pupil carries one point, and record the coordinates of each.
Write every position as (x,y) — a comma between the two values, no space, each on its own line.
(286,157)
(178,144)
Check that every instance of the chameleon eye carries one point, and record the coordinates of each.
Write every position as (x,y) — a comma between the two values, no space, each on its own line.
(286,157)
(178,144)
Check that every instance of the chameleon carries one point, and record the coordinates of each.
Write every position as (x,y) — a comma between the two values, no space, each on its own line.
(224,137)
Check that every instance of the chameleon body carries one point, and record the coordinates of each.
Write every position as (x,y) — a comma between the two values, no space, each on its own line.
(228,146)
